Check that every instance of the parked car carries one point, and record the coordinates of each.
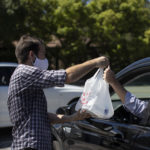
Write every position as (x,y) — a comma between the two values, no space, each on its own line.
(123,131)
(56,97)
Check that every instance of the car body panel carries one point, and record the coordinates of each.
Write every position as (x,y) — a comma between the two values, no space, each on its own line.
(101,134)
(4,115)
(105,134)
(138,67)
(142,141)
(61,96)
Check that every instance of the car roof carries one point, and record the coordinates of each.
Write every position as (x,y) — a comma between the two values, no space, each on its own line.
(137,64)
(8,64)
(132,70)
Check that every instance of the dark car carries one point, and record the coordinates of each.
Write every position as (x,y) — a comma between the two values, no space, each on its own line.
(123,131)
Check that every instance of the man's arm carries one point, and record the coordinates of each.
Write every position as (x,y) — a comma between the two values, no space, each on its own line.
(133,104)
(58,118)
(76,72)
(49,78)
(118,88)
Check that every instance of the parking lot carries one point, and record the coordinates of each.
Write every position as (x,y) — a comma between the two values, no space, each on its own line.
(5,138)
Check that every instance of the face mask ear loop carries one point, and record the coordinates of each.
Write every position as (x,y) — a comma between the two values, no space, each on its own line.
(34,60)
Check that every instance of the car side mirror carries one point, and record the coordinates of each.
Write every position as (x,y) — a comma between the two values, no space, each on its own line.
(67,110)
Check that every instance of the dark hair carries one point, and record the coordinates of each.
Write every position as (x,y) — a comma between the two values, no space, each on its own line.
(26,44)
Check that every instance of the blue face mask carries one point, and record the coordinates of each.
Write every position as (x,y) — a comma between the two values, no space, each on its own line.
(41,63)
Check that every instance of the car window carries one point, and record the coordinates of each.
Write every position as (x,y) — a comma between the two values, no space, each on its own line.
(139,86)
(5,74)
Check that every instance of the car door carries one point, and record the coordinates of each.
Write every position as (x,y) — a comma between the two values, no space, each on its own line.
(5,74)
(142,141)
(118,132)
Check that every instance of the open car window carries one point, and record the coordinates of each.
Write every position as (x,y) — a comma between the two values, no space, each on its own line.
(139,86)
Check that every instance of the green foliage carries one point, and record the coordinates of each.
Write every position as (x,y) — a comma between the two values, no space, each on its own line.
(18,17)
(11,19)
(116,28)
(72,30)
(86,29)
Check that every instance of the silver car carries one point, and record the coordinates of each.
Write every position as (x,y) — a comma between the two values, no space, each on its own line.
(56,96)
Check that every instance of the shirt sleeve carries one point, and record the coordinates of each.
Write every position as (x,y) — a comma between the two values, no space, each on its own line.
(44,78)
(135,105)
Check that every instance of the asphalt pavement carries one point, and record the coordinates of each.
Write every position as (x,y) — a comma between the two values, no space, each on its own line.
(5,138)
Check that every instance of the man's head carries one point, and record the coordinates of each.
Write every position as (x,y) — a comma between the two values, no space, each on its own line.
(27,48)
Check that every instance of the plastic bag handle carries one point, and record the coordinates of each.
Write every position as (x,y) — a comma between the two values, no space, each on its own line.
(97,72)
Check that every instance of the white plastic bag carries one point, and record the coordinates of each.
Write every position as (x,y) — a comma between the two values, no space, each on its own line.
(95,98)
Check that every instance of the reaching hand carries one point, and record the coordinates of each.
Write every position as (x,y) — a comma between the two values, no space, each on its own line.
(80,115)
(102,62)
(109,75)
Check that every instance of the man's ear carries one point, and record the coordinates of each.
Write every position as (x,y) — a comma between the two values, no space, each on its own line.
(31,54)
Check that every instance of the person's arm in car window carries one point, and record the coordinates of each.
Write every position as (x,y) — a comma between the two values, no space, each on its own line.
(133,104)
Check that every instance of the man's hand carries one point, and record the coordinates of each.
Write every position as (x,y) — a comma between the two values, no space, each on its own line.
(76,72)
(109,76)
(58,118)
(79,115)
(102,62)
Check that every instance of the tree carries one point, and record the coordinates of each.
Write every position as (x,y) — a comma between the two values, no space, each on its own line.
(85,29)
(116,28)
(18,17)
(119,27)
(11,19)
(70,19)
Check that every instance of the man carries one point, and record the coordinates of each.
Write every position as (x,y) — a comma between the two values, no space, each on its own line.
(26,100)
(136,106)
